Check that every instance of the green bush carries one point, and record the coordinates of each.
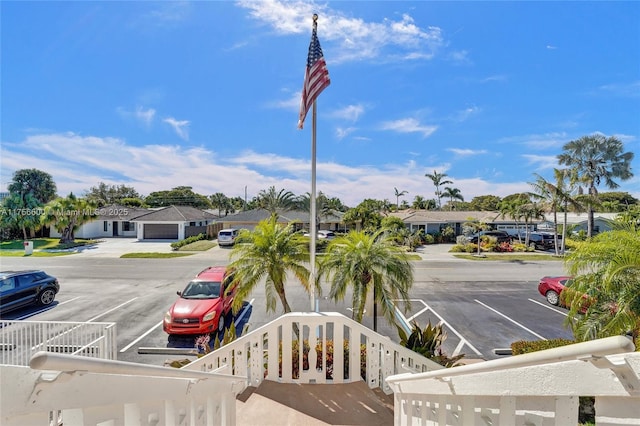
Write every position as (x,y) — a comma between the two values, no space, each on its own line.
(428,239)
(189,240)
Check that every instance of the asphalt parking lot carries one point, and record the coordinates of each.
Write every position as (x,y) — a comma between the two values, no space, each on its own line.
(483,305)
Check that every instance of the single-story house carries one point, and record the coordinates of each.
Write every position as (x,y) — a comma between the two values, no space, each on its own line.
(250,218)
(172,223)
(433,221)
(110,221)
(578,221)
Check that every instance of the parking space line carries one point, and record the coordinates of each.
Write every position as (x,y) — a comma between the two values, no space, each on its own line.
(463,341)
(244,311)
(509,319)
(546,305)
(111,310)
(141,337)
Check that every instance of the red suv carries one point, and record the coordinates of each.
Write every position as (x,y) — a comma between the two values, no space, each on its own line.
(204,304)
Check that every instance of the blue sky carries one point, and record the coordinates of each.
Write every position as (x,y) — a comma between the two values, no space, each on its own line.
(156,95)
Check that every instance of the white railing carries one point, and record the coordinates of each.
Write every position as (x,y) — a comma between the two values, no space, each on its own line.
(78,391)
(19,340)
(272,352)
(541,388)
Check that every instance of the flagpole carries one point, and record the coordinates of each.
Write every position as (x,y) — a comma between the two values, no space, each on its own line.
(312,220)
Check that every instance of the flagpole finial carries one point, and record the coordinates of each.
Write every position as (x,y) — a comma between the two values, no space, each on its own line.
(315,17)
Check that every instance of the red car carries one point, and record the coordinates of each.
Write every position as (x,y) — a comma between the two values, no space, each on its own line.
(552,287)
(204,304)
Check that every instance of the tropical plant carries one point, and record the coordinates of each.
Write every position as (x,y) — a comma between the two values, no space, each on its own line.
(178,196)
(21,212)
(367,264)
(105,194)
(40,184)
(273,200)
(428,343)
(67,215)
(606,272)
(438,180)
(222,203)
(398,195)
(366,214)
(269,252)
(452,193)
(597,159)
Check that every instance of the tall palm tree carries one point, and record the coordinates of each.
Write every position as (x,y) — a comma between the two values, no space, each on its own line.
(269,252)
(607,268)
(452,193)
(398,195)
(438,180)
(367,263)
(273,200)
(67,215)
(597,159)
(419,202)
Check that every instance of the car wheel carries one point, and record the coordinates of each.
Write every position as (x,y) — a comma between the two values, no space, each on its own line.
(532,245)
(552,297)
(221,323)
(46,297)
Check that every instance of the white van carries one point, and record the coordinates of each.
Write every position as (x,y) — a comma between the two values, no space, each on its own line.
(227,237)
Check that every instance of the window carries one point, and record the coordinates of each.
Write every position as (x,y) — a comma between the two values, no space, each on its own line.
(192,224)
(105,226)
(7,284)
(128,226)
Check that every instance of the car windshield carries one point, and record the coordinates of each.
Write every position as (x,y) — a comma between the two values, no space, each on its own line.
(202,290)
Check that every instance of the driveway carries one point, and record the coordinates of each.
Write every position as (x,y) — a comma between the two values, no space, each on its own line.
(116,247)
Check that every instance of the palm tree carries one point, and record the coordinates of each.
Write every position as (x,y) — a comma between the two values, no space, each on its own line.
(597,158)
(398,195)
(606,268)
(367,263)
(452,193)
(273,200)
(438,180)
(67,215)
(270,251)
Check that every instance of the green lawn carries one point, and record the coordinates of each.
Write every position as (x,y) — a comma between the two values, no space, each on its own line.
(202,245)
(15,248)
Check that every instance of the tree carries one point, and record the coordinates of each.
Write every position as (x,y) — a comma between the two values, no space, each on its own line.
(485,203)
(21,213)
(398,195)
(366,214)
(273,200)
(40,184)
(452,193)
(597,159)
(607,270)
(104,194)
(367,263)
(221,202)
(420,203)
(438,180)
(67,215)
(178,196)
(269,252)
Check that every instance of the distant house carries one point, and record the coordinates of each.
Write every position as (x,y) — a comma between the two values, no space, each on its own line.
(172,223)
(433,221)
(110,221)
(250,218)
(578,221)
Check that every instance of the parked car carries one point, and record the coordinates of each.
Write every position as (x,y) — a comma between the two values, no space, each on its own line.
(323,234)
(551,288)
(539,240)
(204,306)
(23,288)
(227,237)
(501,236)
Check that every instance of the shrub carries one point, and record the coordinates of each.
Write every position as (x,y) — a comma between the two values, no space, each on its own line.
(428,239)
(458,248)
(189,240)
(295,369)
(428,343)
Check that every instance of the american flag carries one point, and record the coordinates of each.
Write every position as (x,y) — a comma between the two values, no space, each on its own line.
(316,77)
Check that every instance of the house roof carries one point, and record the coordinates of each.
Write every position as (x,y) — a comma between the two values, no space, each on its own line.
(120,212)
(284,216)
(175,214)
(439,216)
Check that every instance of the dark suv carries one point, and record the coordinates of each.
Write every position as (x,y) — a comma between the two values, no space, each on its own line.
(501,236)
(539,240)
(22,288)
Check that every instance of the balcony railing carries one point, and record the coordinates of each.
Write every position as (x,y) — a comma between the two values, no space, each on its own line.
(540,388)
(20,340)
(534,389)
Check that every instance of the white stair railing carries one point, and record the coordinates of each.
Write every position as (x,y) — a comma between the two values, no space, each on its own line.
(71,390)
(540,388)
(342,345)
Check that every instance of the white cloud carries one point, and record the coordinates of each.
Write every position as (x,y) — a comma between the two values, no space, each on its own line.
(350,112)
(542,161)
(342,133)
(467,152)
(141,115)
(350,39)
(409,125)
(292,103)
(181,127)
